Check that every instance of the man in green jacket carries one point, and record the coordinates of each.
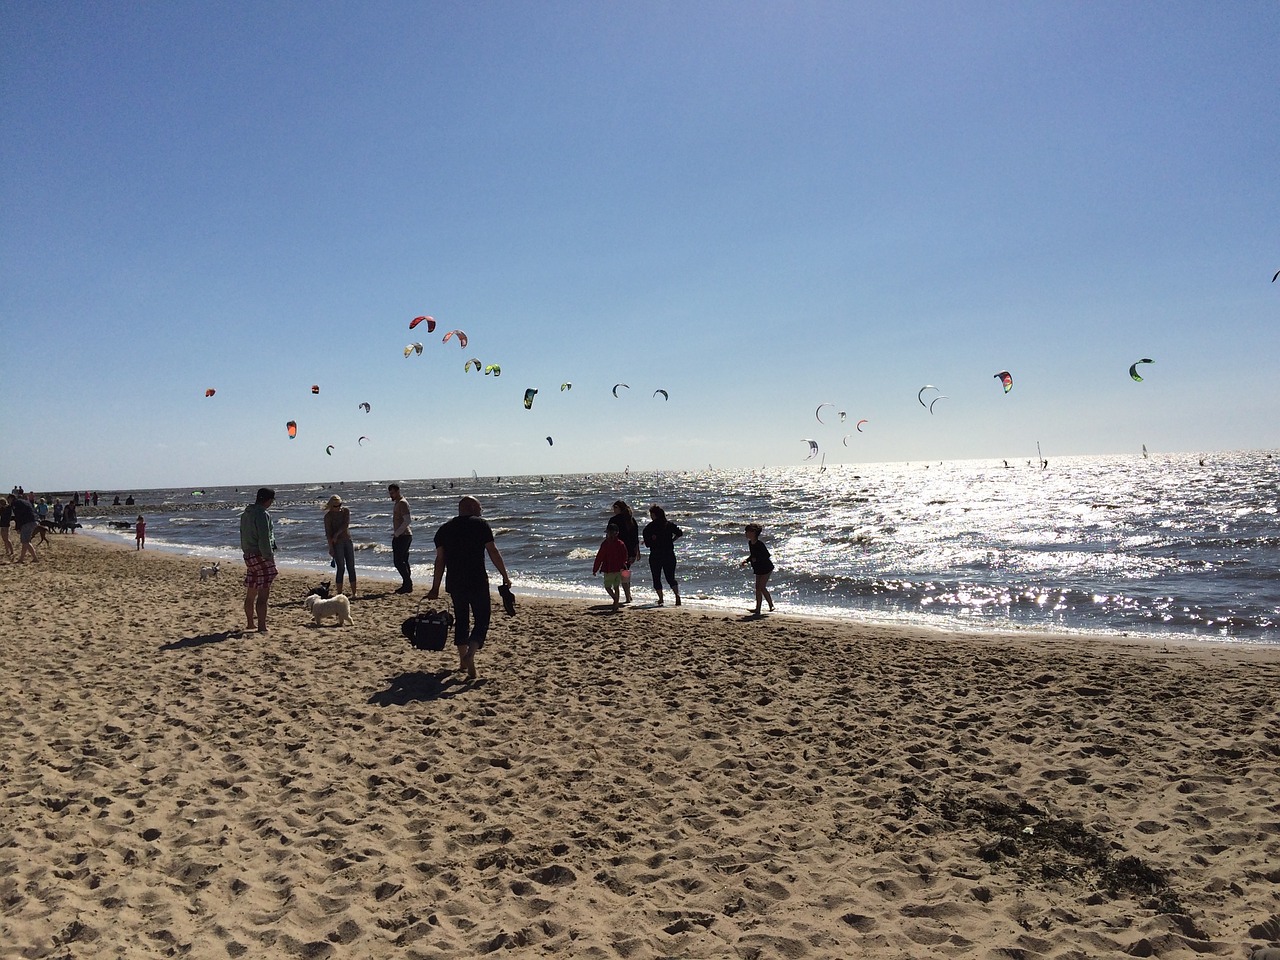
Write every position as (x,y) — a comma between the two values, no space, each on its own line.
(258,543)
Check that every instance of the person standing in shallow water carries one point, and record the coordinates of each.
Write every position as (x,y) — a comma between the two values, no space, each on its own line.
(629,533)
(761,565)
(660,536)
(258,544)
(401,539)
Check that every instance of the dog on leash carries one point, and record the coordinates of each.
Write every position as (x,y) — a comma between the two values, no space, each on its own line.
(338,606)
(209,572)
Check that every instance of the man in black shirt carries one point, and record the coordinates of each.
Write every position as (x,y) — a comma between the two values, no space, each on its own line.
(461,544)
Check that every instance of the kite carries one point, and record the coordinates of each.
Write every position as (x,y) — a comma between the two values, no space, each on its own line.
(292,427)
(617,385)
(413,348)
(361,441)
(813,449)
(315,388)
(818,413)
(494,369)
(363,406)
(846,438)
(429,321)
(565,386)
(1133,370)
(528,398)
(920,395)
(935,400)
(329,449)
(1273,279)
(860,423)
(665,396)
(467,366)
(1003,377)
(844,415)
(210,392)
(550,442)
(462,338)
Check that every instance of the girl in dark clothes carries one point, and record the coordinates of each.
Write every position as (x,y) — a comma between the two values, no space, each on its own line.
(761,564)
(660,536)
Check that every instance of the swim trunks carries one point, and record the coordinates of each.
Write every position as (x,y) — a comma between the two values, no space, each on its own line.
(258,571)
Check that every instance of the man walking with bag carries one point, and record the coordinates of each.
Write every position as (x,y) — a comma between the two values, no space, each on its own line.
(461,545)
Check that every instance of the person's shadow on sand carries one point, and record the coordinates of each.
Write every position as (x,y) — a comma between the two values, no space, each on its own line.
(188,642)
(417,686)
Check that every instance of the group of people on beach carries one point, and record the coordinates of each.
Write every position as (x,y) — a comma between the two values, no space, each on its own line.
(462,544)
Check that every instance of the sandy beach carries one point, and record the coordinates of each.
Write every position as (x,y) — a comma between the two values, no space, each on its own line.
(657,783)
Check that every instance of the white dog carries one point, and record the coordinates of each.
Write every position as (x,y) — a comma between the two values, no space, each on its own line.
(209,572)
(338,606)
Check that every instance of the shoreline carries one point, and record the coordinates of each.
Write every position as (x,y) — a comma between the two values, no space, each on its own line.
(696,602)
(663,782)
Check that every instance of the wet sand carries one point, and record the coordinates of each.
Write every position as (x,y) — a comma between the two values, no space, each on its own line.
(663,782)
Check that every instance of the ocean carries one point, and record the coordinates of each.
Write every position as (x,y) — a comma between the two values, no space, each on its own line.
(1165,547)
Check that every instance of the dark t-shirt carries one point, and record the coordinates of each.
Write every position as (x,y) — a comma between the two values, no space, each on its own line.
(761,562)
(23,513)
(660,538)
(464,540)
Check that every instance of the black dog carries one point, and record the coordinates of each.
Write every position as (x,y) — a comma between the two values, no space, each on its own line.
(321,591)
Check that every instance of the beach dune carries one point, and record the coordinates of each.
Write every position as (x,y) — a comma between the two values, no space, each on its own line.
(657,783)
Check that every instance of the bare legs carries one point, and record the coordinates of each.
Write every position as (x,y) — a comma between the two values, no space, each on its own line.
(762,591)
(255,607)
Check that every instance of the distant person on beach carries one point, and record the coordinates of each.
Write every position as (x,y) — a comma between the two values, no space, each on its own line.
(42,510)
(337,530)
(629,533)
(116,501)
(612,559)
(401,538)
(761,565)
(140,533)
(57,512)
(258,544)
(660,536)
(69,517)
(24,518)
(128,501)
(6,521)
(461,545)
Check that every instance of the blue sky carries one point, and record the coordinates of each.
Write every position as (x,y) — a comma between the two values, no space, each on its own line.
(758,207)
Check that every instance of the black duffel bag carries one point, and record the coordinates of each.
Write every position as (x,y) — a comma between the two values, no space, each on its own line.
(428,631)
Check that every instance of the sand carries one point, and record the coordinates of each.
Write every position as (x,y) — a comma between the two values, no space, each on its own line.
(668,782)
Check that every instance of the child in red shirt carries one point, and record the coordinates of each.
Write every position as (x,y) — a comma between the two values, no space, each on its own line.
(612,559)
(140,533)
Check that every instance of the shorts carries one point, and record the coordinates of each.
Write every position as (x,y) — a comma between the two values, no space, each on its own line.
(27,531)
(259,572)
(613,579)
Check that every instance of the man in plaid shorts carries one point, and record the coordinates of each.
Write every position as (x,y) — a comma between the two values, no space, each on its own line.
(258,543)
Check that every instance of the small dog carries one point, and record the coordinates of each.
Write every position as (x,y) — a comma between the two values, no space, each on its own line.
(338,606)
(209,572)
(321,591)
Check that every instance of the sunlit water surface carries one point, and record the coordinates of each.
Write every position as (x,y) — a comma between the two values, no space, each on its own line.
(1165,547)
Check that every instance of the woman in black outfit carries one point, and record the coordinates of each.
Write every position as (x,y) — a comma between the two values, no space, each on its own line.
(660,536)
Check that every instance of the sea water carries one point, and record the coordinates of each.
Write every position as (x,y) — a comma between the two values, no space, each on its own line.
(1175,546)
